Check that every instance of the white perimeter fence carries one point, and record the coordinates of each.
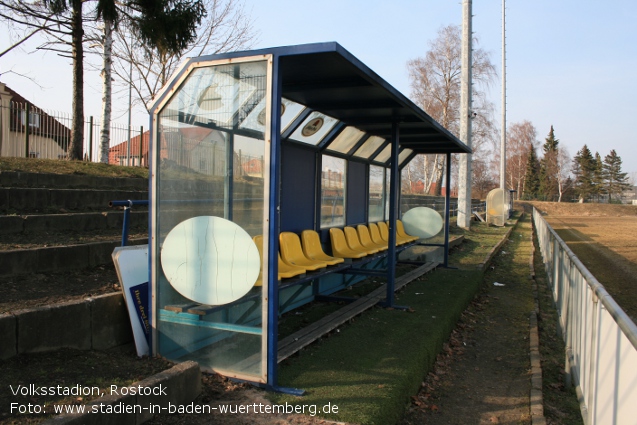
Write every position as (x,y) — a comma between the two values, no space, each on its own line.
(601,340)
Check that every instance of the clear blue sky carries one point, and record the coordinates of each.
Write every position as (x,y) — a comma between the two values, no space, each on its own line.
(570,64)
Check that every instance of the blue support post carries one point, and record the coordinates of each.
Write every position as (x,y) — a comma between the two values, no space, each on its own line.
(127,206)
(393,215)
(273,235)
(447,207)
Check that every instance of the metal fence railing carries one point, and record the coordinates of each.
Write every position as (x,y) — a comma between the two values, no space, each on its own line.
(29,131)
(600,338)
(437,203)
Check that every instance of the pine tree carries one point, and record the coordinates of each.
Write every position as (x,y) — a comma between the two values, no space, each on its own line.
(548,168)
(615,181)
(583,168)
(597,178)
(531,177)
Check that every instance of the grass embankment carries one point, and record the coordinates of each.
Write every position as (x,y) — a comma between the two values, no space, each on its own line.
(560,403)
(55,166)
(371,367)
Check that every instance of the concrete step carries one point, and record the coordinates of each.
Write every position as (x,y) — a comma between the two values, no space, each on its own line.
(16,224)
(69,181)
(27,200)
(59,258)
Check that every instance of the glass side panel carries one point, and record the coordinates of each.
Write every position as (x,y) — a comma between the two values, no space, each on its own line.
(314,128)
(332,191)
(370,146)
(402,156)
(256,119)
(376,193)
(384,155)
(346,140)
(208,207)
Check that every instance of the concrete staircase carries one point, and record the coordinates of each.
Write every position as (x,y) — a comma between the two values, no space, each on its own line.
(53,226)
(49,213)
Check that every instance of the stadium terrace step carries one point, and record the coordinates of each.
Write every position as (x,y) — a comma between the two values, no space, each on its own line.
(16,224)
(69,181)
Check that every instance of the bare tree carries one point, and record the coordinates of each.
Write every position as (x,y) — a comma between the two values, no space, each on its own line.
(519,136)
(563,164)
(435,86)
(164,24)
(226,27)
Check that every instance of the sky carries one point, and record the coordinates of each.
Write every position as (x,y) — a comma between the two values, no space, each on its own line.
(570,64)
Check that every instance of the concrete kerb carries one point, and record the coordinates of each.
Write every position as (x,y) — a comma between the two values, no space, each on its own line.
(60,258)
(16,224)
(536,397)
(176,386)
(21,179)
(8,335)
(98,323)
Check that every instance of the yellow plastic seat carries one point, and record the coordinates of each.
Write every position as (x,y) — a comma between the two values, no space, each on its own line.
(354,243)
(366,239)
(384,233)
(400,229)
(314,251)
(340,247)
(375,235)
(292,253)
(285,271)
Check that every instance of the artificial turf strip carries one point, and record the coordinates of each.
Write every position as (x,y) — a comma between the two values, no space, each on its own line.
(371,368)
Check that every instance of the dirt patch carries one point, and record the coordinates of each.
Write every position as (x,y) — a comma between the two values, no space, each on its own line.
(35,290)
(608,249)
(54,166)
(584,209)
(67,368)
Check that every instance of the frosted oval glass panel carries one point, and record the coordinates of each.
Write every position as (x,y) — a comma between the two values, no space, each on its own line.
(210,260)
(422,222)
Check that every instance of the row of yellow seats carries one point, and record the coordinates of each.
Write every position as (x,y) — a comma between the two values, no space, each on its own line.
(366,240)
(296,259)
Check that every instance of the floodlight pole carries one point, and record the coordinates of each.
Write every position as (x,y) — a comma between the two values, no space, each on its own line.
(464,174)
(503,156)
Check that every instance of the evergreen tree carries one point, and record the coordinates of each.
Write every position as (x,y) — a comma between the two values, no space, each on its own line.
(615,181)
(583,167)
(548,168)
(531,177)
(597,179)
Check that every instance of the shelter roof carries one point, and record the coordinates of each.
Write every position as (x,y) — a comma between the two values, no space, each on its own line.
(326,78)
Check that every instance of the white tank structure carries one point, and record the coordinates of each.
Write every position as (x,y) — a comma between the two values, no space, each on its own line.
(498,207)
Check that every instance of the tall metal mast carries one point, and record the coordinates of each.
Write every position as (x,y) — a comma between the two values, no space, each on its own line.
(503,141)
(464,173)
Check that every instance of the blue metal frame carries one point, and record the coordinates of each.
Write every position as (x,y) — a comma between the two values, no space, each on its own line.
(273,233)
(402,109)
(447,205)
(393,215)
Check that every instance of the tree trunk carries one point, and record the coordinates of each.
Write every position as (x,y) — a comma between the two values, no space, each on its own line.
(76,147)
(440,163)
(105,134)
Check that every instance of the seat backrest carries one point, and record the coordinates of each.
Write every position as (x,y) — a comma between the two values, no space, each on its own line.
(352,239)
(311,244)
(400,229)
(375,234)
(339,243)
(258,241)
(384,231)
(364,236)
(290,247)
